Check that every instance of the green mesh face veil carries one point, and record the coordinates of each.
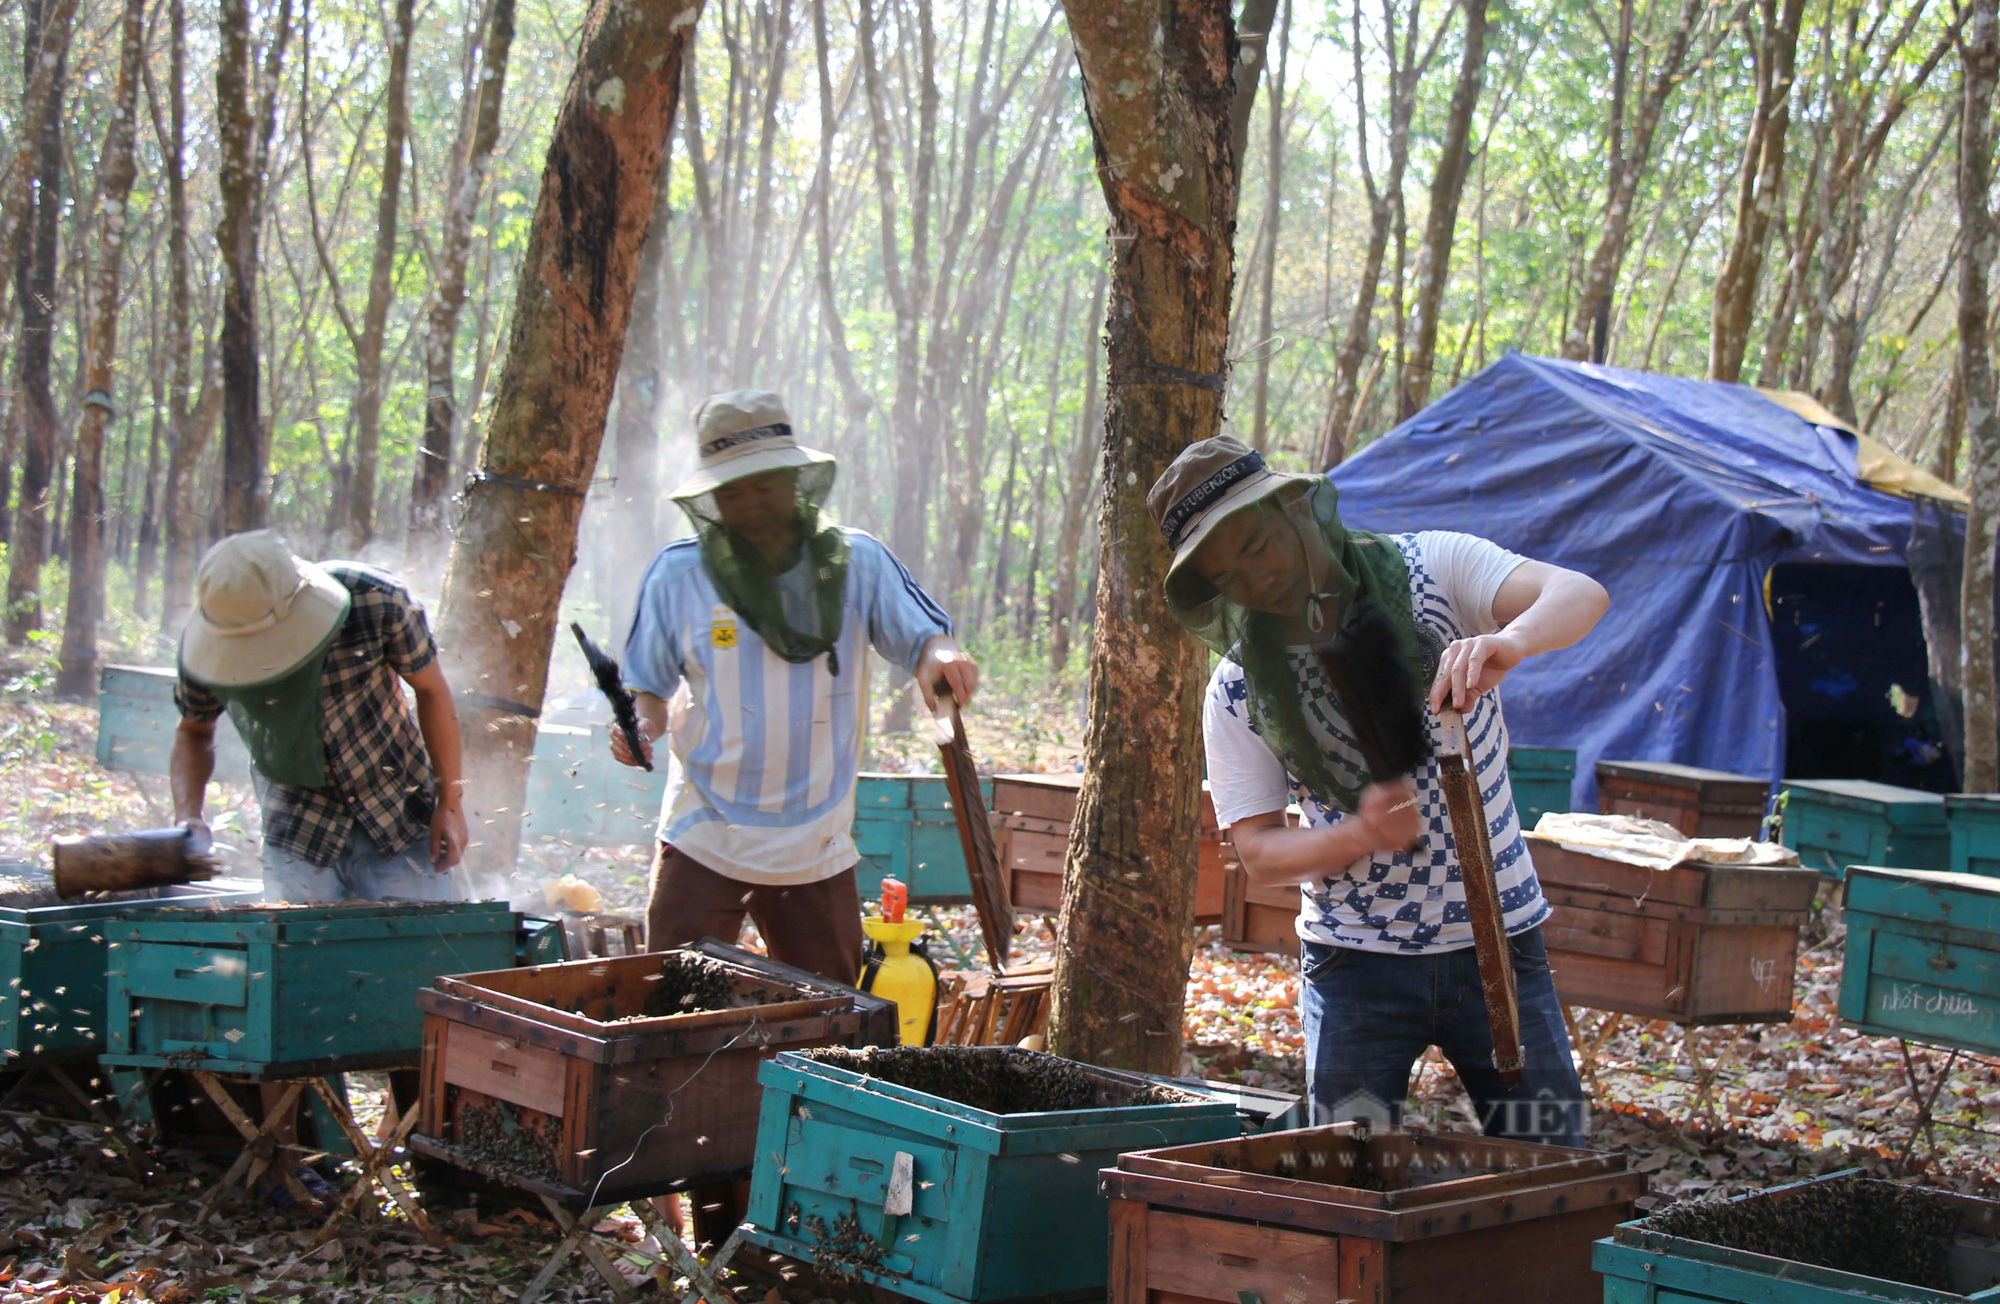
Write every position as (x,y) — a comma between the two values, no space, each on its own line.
(750,582)
(1344,570)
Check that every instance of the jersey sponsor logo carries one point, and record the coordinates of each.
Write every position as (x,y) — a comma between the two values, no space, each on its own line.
(722,629)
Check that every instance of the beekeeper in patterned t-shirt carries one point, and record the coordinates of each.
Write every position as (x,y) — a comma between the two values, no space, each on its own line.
(1263,570)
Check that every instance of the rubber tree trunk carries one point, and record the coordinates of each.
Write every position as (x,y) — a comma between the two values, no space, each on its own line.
(245,108)
(1980,51)
(35,288)
(77,677)
(1158,80)
(425,548)
(381,285)
(1758,178)
(1441,218)
(513,553)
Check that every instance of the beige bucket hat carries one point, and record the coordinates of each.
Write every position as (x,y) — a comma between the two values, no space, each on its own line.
(1210,479)
(743,432)
(259,611)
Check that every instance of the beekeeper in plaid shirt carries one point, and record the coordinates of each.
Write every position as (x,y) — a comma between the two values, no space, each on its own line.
(362,796)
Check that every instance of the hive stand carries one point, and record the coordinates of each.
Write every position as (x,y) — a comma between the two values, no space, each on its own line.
(260,1146)
(704,1278)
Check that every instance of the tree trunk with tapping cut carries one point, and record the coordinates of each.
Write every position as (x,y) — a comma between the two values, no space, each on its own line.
(512,554)
(1158,87)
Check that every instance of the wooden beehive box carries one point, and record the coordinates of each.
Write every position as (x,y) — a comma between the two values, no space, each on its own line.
(1258,918)
(558,1079)
(1834,823)
(1972,823)
(866,1167)
(288,991)
(1923,957)
(52,966)
(1642,1265)
(1356,1215)
(1700,803)
(136,719)
(1031,816)
(1542,779)
(1694,944)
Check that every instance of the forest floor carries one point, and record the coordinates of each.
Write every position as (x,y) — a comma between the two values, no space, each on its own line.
(93,1214)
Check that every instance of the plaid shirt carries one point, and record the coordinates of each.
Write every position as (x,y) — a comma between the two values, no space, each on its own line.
(378,773)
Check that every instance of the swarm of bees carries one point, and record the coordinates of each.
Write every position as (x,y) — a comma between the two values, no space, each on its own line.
(491,1132)
(1874,1228)
(997,1079)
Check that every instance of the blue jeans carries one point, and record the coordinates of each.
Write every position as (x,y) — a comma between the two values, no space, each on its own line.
(1370,1015)
(361,873)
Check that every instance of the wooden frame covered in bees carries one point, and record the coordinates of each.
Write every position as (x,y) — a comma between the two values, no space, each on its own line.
(579,1082)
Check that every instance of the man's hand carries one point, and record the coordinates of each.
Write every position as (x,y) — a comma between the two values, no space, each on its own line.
(1388,816)
(448,834)
(201,838)
(621,751)
(944,660)
(1472,666)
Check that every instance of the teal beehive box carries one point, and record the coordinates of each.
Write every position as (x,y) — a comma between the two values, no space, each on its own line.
(1973,821)
(1542,779)
(1642,1264)
(1923,957)
(288,991)
(52,962)
(873,1164)
(904,826)
(1834,823)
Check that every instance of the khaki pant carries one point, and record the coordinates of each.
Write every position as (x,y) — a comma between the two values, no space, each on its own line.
(814,926)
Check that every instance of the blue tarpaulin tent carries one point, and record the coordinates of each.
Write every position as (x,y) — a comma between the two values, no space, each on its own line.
(1685,499)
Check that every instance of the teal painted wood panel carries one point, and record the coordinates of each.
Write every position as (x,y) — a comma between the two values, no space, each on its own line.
(258,991)
(136,722)
(1974,822)
(52,967)
(883,840)
(1923,957)
(1915,899)
(1011,1208)
(1541,778)
(1834,823)
(1692,1273)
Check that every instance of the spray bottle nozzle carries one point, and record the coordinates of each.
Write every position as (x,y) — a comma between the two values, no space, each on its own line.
(895,900)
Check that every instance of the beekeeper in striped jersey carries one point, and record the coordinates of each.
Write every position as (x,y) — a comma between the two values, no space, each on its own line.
(746,652)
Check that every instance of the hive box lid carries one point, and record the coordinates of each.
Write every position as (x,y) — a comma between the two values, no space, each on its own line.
(183,896)
(1672,775)
(1901,805)
(348,921)
(1542,760)
(1419,1184)
(1967,902)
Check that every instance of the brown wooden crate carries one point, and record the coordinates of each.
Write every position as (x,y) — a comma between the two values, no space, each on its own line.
(1207,1237)
(1036,796)
(600,1097)
(1258,918)
(1700,803)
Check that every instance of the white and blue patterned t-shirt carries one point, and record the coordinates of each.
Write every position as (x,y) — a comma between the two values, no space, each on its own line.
(1390,901)
(760,780)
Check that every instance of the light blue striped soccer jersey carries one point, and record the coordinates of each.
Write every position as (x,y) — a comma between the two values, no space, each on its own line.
(760,781)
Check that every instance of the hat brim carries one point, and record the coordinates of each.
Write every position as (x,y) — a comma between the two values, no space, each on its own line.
(754,463)
(1252,488)
(213,656)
